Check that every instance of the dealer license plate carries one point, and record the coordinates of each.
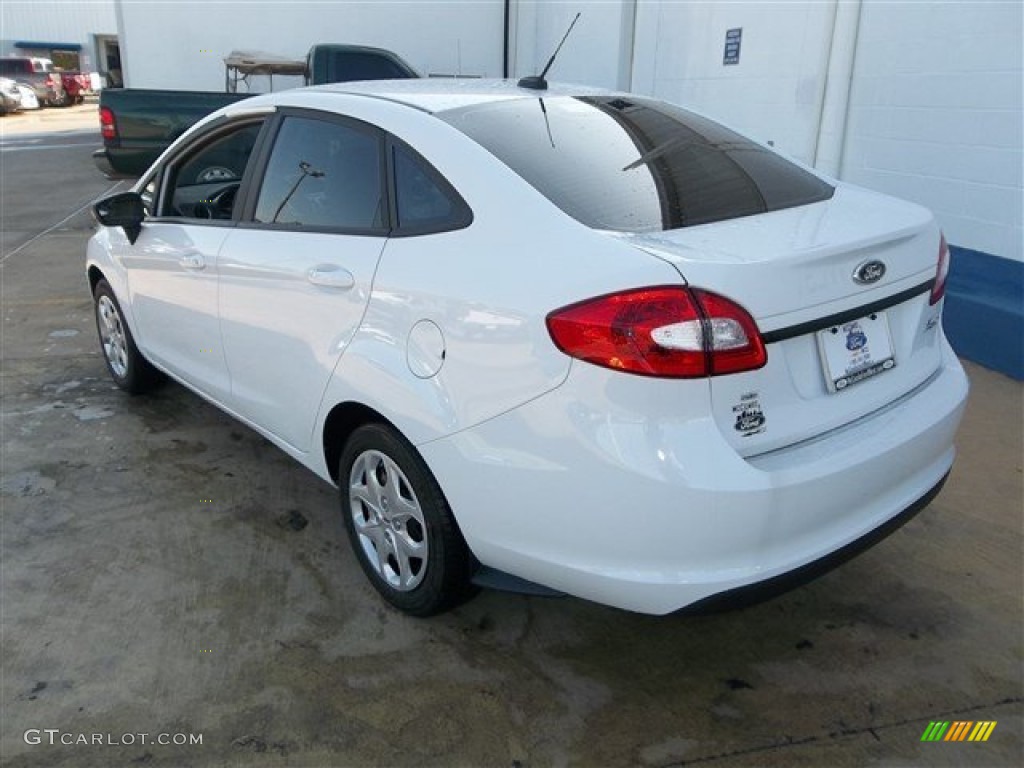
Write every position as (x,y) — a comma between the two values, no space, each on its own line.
(854,351)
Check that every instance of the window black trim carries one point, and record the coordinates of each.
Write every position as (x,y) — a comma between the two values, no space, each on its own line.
(812,326)
(462,214)
(248,212)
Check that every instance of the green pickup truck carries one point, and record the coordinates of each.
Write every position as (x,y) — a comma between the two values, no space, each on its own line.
(138,124)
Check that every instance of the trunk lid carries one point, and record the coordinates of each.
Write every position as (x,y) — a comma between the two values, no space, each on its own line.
(793,270)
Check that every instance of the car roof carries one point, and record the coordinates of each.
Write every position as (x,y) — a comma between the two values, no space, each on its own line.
(437,94)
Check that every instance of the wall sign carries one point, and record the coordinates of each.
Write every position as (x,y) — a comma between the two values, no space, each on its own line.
(732,46)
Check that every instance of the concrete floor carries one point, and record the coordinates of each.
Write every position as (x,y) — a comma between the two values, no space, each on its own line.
(165,570)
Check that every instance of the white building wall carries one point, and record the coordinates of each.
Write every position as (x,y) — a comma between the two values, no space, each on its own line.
(181,45)
(56,22)
(936,115)
(774,93)
(598,52)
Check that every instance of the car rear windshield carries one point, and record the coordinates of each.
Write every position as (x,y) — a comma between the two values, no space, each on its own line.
(635,165)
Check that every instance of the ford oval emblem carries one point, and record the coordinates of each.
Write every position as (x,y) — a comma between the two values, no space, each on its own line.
(869,272)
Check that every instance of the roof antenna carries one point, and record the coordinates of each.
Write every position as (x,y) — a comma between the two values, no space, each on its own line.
(537,82)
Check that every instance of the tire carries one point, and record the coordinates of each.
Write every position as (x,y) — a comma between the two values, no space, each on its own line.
(127,367)
(400,525)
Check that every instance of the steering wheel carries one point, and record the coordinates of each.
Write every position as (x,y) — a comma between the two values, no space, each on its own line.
(218,206)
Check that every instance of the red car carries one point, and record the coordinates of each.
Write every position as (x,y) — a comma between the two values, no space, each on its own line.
(76,84)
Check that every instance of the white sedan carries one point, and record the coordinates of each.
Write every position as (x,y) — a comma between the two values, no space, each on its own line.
(565,339)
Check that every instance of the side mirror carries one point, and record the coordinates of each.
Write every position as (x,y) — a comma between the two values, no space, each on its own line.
(124,210)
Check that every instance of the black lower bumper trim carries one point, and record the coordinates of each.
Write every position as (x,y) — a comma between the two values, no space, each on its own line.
(490,578)
(760,591)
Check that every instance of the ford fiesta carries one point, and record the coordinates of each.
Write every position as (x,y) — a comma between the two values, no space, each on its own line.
(571,339)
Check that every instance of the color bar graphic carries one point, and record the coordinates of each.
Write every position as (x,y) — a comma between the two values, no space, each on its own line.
(982,730)
(935,731)
(958,730)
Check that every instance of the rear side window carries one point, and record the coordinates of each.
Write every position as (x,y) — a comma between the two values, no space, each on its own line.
(323,174)
(635,165)
(424,201)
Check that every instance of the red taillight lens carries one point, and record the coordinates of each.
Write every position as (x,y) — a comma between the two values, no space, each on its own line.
(670,332)
(736,343)
(941,272)
(108,128)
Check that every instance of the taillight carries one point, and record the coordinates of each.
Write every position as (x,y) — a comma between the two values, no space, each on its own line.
(668,331)
(941,272)
(108,128)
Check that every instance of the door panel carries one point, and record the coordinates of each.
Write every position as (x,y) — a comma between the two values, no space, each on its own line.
(289,303)
(173,284)
(172,267)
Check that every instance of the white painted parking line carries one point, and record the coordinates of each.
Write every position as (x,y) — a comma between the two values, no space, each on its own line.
(7,148)
(67,218)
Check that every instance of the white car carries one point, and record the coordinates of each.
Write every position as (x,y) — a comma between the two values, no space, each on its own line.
(28,97)
(566,339)
(10,96)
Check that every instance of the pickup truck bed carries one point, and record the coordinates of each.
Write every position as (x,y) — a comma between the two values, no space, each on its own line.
(139,124)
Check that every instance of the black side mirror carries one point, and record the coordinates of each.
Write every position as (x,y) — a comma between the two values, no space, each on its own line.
(124,210)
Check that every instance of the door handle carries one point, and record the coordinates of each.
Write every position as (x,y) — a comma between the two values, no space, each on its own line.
(331,276)
(193,261)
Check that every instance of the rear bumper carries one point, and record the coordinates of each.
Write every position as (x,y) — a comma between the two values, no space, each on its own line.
(622,490)
(777,585)
(102,159)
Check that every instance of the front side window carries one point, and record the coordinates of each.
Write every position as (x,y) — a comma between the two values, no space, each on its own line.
(148,194)
(323,174)
(635,164)
(203,184)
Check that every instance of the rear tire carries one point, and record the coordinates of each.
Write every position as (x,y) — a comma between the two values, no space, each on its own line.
(127,367)
(400,525)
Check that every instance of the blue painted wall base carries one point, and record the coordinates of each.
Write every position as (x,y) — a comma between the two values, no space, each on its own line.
(984,312)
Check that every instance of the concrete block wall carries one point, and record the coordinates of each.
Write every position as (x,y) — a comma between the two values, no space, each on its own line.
(937,115)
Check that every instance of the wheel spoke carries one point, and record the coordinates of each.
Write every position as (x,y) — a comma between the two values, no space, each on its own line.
(405,508)
(373,485)
(359,492)
(405,552)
